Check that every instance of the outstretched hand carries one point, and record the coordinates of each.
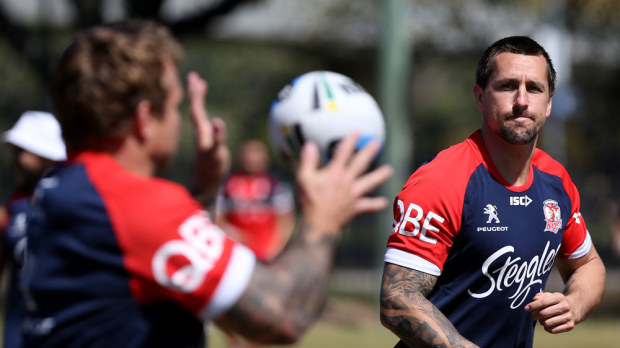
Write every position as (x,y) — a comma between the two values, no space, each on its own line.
(212,161)
(331,196)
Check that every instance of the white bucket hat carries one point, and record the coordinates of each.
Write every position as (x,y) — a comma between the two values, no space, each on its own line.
(38,132)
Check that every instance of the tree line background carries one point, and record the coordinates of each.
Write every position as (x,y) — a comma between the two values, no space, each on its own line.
(248,60)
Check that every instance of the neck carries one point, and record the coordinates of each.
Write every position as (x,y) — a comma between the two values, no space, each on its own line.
(130,154)
(511,161)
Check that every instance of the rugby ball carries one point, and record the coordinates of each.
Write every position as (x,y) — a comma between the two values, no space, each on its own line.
(323,107)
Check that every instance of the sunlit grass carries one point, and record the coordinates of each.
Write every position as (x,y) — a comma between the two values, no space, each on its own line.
(355,324)
(592,333)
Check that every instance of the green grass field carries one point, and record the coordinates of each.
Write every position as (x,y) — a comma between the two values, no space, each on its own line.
(349,323)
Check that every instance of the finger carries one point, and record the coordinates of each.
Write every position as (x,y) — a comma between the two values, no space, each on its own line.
(541,300)
(370,204)
(556,320)
(197,88)
(558,324)
(220,131)
(344,149)
(197,91)
(308,160)
(368,182)
(540,295)
(546,313)
(552,311)
(364,157)
(560,328)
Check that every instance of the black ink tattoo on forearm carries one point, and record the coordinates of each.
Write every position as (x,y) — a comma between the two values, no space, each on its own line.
(406,311)
(286,296)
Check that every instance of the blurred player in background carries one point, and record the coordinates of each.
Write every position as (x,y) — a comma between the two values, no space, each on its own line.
(478,227)
(120,258)
(36,145)
(255,207)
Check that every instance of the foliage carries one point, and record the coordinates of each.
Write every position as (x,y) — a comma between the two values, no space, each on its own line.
(246,74)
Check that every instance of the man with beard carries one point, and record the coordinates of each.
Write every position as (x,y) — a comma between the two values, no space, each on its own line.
(478,228)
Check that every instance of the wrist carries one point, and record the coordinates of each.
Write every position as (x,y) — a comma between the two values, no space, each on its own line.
(576,309)
(319,233)
(205,197)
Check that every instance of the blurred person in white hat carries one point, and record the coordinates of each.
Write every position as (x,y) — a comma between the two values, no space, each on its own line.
(36,144)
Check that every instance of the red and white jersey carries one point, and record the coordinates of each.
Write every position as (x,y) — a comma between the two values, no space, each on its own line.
(252,204)
(120,260)
(491,244)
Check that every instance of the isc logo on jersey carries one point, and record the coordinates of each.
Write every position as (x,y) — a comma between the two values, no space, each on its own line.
(520,200)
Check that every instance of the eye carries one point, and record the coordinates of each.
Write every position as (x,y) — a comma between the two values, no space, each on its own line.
(508,86)
(535,88)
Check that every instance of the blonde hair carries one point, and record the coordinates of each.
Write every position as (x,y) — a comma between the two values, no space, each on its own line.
(103,75)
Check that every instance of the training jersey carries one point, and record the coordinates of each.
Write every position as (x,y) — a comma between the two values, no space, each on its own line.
(14,245)
(492,245)
(252,204)
(116,259)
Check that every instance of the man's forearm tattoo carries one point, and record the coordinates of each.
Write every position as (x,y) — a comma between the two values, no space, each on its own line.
(406,311)
(286,296)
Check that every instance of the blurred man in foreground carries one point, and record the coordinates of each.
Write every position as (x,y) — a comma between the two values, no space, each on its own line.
(36,145)
(119,258)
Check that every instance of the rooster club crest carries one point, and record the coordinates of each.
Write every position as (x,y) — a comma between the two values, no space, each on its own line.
(553,215)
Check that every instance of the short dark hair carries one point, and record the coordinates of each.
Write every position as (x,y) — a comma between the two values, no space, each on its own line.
(517,45)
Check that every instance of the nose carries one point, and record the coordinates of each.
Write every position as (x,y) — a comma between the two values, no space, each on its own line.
(520,102)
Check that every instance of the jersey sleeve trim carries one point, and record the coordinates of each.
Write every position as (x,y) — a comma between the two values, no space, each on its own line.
(405,259)
(233,283)
(583,249)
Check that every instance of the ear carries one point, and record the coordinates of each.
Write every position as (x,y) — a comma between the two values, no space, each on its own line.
(479,97)
(549,103)
(143,120)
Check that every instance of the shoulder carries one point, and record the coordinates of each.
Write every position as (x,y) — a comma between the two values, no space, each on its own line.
(546,164)
(439,186)
(450,169)
(129,194)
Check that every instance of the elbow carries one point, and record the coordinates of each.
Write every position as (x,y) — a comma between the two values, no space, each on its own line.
(385,321)
(294,326)
(286,328)
(390,322)
(288,337)
(283,339)
(281,335)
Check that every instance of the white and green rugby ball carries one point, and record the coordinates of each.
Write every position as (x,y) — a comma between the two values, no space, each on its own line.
(323,107)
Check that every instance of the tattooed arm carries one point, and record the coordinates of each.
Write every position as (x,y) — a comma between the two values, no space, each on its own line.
(406,311)
(285,297)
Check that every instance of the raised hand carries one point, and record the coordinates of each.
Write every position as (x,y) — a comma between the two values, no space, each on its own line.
(212,161)
(333,195)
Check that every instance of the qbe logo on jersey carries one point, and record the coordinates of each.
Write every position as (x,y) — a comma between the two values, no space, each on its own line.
(183,264)
(553,216)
